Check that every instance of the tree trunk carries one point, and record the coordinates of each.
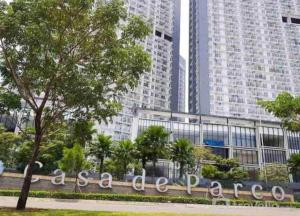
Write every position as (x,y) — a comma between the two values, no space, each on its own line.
(154,168)
(76,179)
(144,163)
(181,170)
(101,167)
(27,180)
(124,171)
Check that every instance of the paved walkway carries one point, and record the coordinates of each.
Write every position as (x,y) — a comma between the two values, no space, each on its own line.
(99,205)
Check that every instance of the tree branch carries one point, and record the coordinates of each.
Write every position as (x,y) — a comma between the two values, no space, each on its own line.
(21,87)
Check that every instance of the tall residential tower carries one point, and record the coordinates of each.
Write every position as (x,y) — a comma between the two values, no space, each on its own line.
(242,51)
(157,88)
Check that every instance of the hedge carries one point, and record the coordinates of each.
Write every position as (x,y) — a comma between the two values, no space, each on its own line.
(145,198)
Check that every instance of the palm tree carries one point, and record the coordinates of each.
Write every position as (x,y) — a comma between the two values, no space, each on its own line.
(182,152)
(82,132)
(152,144)
(101,149)
(123,155)
(294,165)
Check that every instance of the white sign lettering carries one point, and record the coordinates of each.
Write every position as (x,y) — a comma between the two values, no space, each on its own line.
(107,180)
(33,180)
(159,184)
(189,184)
(254,194)
(60,179)
(142,184)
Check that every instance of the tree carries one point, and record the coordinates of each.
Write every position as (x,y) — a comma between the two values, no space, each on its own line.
(101,149)
(182,152)
(82,132)
(201,154)
(294,165)
(287,108)
(9,143)
(73,162)
(152,144)
(69,57)
(277,173)
(51,149)
(123,155)
(224,169)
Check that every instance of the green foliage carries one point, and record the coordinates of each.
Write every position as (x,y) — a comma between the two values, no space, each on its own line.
(101,149)
(9,101)
(152,144)
(277,173)
(226,164)
(77,55)
(123,155)
(224,169)
(287,108)
(82,132)
(210,171)
(294,163)
(9,142)
(73,160)
(182,152)
(202,154)
(143,198)
(51,150)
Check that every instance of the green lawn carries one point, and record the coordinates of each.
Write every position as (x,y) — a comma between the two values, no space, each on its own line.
(82,213)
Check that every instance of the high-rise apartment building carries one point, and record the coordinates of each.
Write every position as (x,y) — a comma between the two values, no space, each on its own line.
(242,51)
(156,86)
(181,85)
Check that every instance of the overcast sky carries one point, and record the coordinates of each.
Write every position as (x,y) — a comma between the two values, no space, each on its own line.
(184,37)
(184,41)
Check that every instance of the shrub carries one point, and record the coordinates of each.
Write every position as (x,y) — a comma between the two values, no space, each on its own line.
(144,198)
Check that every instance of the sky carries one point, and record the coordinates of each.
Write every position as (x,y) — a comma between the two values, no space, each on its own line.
(184,42)
(184,32)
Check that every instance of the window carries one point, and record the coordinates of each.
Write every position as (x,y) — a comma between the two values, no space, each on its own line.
(215,135)
(158,33)
(294,142)
(243,137)
(295,20)
(284,19)
(274,156)
(222,152)
(272,137)
(246,156)
(168,38)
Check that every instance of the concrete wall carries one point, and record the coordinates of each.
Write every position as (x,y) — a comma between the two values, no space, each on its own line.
(15,181)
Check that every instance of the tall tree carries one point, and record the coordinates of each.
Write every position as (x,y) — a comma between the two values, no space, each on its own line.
(101,149)
(182,152)
(73,162)
(69,57)
(152,144)
(82,132)
(285,107)
(123,155)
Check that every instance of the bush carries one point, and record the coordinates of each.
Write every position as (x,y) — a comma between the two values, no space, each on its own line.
(144,198)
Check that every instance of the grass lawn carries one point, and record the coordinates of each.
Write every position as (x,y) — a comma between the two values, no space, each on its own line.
(82,213)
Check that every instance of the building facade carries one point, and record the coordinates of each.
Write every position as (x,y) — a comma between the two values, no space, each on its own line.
(242,51)
(253,143)
(181,86)
(156,86)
